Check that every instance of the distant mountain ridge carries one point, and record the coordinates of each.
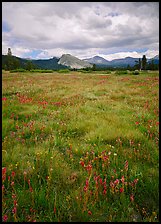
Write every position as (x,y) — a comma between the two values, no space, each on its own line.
(122,62)
(70,61)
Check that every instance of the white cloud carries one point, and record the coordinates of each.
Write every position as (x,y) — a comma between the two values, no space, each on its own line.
(81,28)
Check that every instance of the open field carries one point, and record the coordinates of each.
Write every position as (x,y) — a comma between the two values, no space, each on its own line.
(80,147)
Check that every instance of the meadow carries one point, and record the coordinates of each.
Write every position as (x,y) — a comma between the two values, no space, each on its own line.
(80,147)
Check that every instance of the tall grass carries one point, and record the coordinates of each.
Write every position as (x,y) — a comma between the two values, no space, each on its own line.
(80,147)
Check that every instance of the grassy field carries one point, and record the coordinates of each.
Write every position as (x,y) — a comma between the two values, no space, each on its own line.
(80,147)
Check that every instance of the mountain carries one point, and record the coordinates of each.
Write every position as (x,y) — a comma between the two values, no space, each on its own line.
(97,60)
(73,62)
(156,57)
(123,62)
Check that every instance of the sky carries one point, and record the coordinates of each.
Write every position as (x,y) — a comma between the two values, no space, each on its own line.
(42,30)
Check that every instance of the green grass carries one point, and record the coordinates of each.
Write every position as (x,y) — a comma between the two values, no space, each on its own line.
(80,147)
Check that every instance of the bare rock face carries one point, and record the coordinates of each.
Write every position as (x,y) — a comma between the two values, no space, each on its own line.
(73,62)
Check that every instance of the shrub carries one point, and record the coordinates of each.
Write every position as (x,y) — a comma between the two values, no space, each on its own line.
(136,72)
(63,70)
(121,72)
(18,70)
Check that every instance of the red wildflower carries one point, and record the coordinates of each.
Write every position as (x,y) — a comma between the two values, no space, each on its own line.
(4,98)
(87,182)
(15,203)
(104,191)
(5,217)
(4,170)
(13,196)
(31,190)
(116,181)
(89,212)
(135,181)
(112,185)
(54,209)
(89,167)
(122,179)
(121,190)
(14,210)
(85,188)
(131,197)
(101,181)
(126,165)
(13,174)
(137,122)
(12,183)
(82,163)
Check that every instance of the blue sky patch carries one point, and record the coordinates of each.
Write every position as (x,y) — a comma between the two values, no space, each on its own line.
(32,54)
(5,27)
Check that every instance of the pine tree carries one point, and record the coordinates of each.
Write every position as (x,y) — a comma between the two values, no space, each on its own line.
(144,62)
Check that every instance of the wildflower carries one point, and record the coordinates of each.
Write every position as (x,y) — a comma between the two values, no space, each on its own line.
(4,170)
(116,181)
(54,209)
(13,196)
(85,188)
(101,181)
(126,165)
(13,174)
(15,203)
(104,181)
(31,190)
(14,210)
(104,191)
(24,173)
(137,122)
(131,197)
(3,187)
(122,179)
(5,218)
(4,98)
(82,163)
(87,182)
(89,167)
(135,181)
(89,212)
(105,158)
(115,154)
(121,190)
(112,185)
(12,183)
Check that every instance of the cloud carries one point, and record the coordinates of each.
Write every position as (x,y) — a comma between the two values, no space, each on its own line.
(82,28)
